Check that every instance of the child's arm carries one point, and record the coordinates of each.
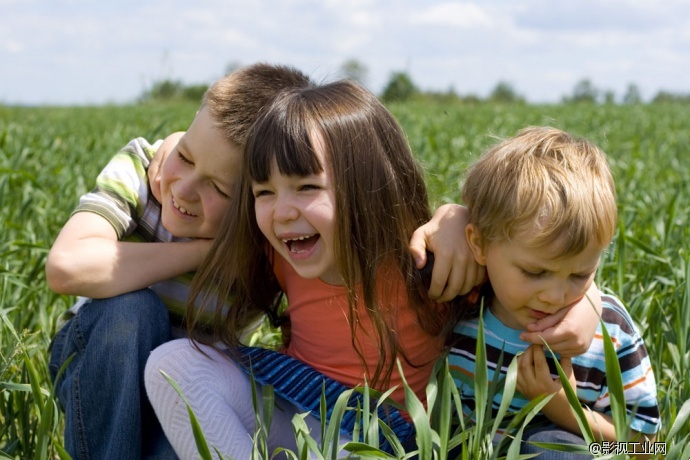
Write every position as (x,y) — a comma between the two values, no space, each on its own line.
(154,168)
(570,331)
(455,271)
(534,379)
(88,260)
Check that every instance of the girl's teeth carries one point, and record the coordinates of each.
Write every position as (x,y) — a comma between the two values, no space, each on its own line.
(299,238)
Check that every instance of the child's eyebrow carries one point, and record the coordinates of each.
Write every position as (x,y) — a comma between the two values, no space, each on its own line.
(182,143)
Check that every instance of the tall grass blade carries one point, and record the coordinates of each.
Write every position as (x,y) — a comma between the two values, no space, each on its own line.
(682,420)
(481,385)
(614,379)
(574,403)
(508,393)
(199,438)
(420,419)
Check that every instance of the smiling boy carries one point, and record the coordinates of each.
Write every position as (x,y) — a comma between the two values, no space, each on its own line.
(121,240)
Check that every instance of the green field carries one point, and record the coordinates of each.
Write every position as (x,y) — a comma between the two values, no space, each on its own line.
(50,156)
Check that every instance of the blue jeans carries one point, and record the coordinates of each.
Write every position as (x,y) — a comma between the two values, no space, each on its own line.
(107,413)
(553,435)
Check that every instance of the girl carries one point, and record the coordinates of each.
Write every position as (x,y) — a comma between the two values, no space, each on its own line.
(329,196)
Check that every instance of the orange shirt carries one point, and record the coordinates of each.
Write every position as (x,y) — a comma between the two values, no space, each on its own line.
(321,336)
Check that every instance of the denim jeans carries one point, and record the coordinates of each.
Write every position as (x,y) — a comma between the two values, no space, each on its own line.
(107,413)
(553,435)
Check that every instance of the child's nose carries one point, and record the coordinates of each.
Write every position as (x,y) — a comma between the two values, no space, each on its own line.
(554,295)
(187,189)
(284,210)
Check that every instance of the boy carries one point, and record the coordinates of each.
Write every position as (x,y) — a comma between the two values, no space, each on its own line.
(542,209)
(121,240)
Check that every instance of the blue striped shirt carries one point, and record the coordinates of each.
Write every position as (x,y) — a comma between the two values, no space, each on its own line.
(589,368)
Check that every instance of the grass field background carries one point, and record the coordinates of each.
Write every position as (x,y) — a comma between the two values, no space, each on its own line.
(50,156)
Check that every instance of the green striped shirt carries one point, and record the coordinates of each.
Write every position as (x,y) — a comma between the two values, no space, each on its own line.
(122,196)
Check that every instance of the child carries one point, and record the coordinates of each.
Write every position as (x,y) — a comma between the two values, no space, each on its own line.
(542,209)
(328,199)
(121,240)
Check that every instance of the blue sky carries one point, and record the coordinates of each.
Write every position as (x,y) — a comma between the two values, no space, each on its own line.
(93,51)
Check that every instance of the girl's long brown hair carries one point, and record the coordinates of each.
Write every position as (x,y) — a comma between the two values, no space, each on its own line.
(381,199)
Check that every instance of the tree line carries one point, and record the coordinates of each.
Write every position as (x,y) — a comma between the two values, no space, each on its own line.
(400,88)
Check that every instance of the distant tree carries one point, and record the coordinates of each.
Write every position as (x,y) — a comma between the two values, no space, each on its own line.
(504,93)
(584,91)
(444,97)
(399,88)
(163,90)
(167,90)
(665,97)
(472,99)
(352,69)
(632,95)
(194,92)
(609,97)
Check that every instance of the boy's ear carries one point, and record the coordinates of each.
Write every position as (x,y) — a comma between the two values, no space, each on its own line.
(474,241)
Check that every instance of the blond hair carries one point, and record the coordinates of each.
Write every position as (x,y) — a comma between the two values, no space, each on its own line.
(236,100)
(546,184)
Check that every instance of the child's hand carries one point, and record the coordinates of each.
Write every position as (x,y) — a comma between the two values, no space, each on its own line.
(570,331)
(154,171)
(534,377)
(455,271)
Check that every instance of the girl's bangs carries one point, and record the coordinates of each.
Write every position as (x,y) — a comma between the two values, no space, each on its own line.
(289,144)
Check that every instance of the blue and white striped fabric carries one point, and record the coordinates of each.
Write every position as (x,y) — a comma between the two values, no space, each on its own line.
(589,368)
(302,385)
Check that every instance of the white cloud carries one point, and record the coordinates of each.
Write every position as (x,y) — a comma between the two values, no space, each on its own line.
(14,46)
(465,15)
(99,51)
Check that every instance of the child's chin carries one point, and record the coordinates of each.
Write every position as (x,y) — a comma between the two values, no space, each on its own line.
(178,231)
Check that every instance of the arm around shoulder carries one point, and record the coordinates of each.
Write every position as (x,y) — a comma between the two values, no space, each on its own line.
(76,251)
(88,260)
(455,271)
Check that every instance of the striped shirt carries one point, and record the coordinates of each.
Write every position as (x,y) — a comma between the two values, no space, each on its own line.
(122,197)
(589,368)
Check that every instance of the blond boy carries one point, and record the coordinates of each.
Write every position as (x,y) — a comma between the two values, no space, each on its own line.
(542,209)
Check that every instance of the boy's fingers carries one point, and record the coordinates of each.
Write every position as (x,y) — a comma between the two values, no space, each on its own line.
(527,366)
(440,276)
(418,247)
(550,321)
(567,365)
(540,365)
(461,280)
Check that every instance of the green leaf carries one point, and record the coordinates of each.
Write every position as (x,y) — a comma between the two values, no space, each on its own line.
(615,384)
(573,401)
(419,419)
(681,420)
(199,438)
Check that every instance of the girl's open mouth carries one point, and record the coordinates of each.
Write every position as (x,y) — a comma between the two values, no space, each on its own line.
(302,244)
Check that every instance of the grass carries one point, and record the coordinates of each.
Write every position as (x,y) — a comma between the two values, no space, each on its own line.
(50,156)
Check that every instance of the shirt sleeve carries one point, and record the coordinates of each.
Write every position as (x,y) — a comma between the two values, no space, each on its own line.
(122,187)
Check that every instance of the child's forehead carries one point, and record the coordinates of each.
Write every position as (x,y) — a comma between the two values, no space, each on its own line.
(546,252)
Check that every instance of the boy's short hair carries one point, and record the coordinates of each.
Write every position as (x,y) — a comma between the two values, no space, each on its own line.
(544,183)
(236,100)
